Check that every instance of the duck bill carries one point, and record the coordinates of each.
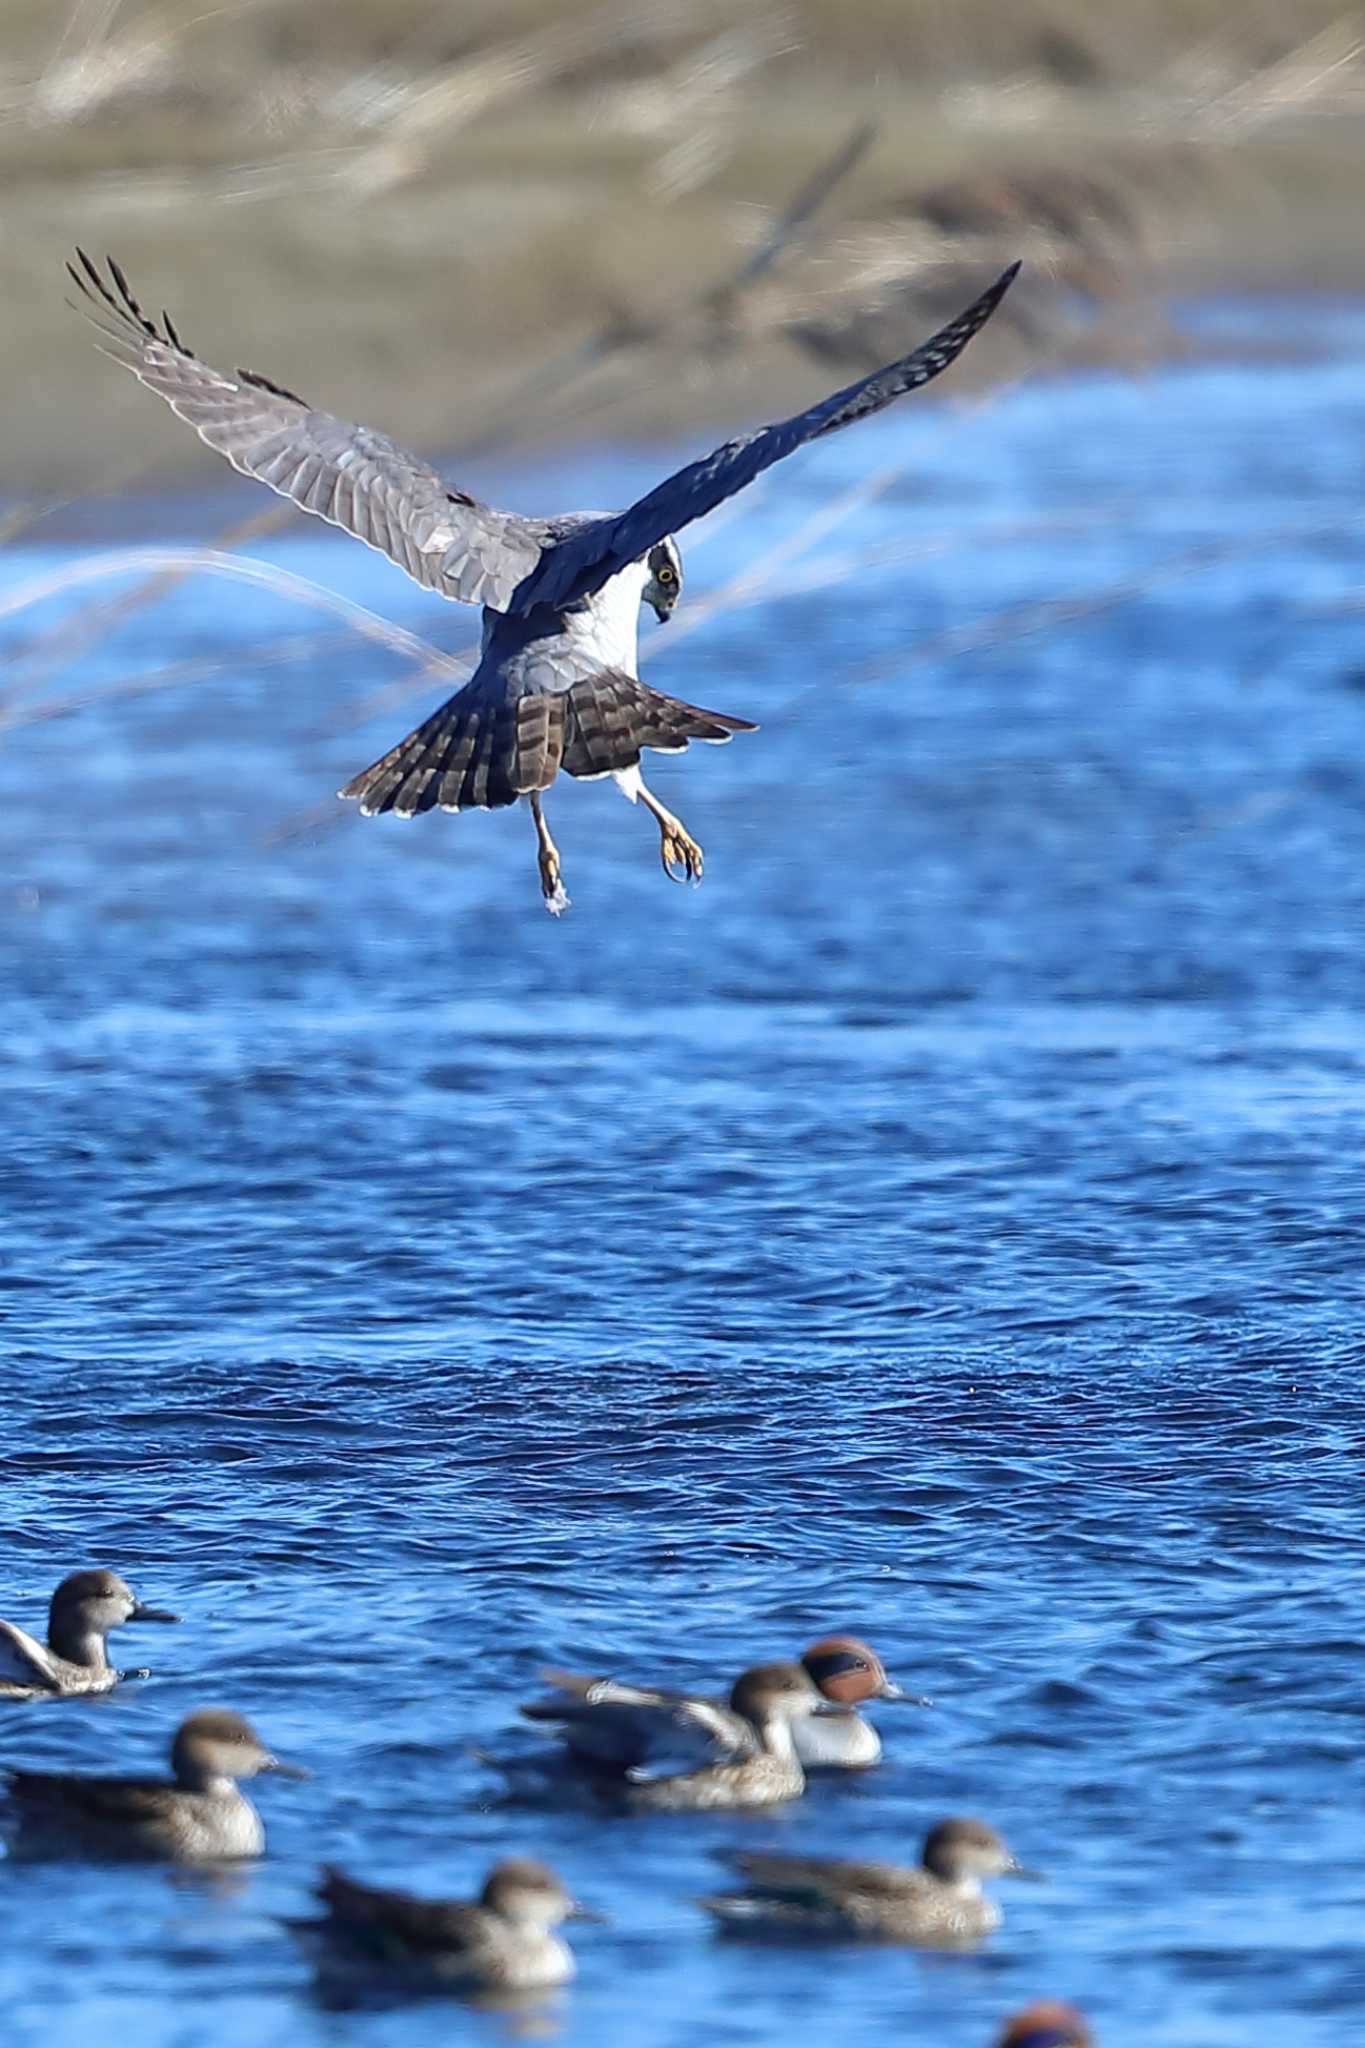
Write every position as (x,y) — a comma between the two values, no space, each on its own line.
(280,1769)
(141,1613)
(590,1914)
(1014,1868)
(891,1691)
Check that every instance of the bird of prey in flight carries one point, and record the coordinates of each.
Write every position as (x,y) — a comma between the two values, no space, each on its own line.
(556,684)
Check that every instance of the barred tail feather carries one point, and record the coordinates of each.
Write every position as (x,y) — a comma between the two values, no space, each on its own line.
(612,717)
(477,752)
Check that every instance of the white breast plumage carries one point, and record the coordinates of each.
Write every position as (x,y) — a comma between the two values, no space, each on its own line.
(607,626)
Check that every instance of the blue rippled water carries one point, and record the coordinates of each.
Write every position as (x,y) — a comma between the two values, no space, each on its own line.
(946,1223)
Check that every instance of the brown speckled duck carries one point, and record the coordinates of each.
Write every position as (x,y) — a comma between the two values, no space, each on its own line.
(772,1700)
(940,1901)
(504,1940)
(198,1816)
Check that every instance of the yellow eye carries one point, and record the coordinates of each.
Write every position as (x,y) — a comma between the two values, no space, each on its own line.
(665,576)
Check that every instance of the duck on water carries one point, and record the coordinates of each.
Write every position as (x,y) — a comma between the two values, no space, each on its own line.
(75,1657)
(940,1900)
(196,1816)
(505,1940)
(610,1721)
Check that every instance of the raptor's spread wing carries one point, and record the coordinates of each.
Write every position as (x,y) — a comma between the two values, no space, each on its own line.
(24,1661)
(582,562)
(356,479)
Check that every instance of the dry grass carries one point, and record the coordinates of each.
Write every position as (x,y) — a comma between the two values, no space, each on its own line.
(417,209)
(137,45)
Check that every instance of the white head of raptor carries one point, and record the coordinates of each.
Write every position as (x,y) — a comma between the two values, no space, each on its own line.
(663,585)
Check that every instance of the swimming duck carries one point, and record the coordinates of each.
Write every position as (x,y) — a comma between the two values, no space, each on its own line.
(847,1672)
(504,1940)
(941,1900)
(200,1816)
(772,1700)
(1047,2024)
(608,1721)
(75,1657)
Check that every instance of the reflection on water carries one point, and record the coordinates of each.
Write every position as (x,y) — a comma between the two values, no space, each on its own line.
(943,1224)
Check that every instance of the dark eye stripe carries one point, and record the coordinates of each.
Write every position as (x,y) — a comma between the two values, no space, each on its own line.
(834,1664)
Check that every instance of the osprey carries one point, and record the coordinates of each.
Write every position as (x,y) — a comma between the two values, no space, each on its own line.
(556,685)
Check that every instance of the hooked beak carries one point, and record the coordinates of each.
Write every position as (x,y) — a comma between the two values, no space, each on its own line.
(141,1613)
(281,1769)
(663,612)
(578,1911)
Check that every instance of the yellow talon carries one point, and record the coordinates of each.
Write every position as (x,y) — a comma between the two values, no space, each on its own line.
(551,881)
(552,885)
(680,853)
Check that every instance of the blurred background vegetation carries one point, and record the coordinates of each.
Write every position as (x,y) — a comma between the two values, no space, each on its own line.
(474,224)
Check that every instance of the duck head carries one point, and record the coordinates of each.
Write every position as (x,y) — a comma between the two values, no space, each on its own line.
(963,1852)
(848,1672)
(215,1744)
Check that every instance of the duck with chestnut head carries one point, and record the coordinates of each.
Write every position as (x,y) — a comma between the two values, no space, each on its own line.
(615,1723)
(850,1674)
(1048,2024)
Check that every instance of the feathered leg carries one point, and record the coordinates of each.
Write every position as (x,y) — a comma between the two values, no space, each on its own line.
(551,884)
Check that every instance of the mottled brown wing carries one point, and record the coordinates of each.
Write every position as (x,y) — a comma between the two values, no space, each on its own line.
(347,474)
(827,1876)
(50,1794)
(398,1917)
(612,717)
(479,751)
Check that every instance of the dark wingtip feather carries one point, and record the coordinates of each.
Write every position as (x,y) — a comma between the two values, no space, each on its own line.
(114,295)
(1002,283)
(969,324)
(92,286)
(261,383)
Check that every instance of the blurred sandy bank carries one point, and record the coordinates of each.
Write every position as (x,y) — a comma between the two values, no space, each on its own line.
(484,227)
